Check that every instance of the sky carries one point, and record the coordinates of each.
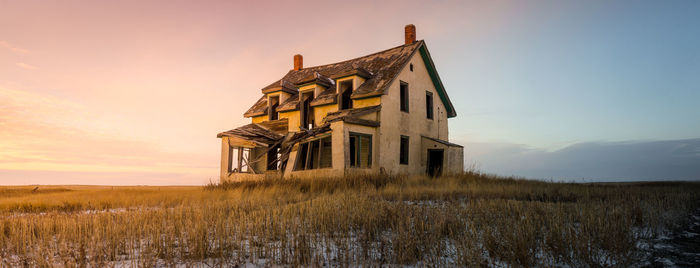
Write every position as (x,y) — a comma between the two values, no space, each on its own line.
(134,92)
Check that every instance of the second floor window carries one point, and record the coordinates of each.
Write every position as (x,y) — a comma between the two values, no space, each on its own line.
(345,90)
(272,112)
(404,96)
(429,104)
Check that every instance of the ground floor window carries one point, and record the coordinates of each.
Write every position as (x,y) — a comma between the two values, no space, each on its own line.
(273,156)
(360,150)
(238,159)
(403,151)
(315,154)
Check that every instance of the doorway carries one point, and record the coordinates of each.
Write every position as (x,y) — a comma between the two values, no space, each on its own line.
(435,159)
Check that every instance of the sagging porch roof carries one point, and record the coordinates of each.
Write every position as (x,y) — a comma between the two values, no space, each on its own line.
(353,116)
(265,133)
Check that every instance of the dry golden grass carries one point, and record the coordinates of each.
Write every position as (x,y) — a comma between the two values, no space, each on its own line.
(466,220)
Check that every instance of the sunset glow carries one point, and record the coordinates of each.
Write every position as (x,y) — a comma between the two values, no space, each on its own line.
(134,92)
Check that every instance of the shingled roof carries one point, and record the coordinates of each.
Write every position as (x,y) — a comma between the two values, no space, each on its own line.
(380,69)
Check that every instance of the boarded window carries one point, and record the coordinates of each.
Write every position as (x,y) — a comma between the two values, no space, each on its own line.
(403,151)
(345,89)
(360,150)
(404,96)
(238,159)
(429,104)
(315,154)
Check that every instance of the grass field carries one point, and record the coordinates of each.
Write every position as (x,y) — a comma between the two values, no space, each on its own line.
(463,220)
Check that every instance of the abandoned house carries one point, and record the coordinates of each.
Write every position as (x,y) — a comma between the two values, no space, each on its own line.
(385,112)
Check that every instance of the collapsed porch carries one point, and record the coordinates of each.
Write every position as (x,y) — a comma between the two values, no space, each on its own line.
(257,150)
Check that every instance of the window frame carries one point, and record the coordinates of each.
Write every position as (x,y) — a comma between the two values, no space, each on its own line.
(404,97)
(240,152)
(404,149)
(341,92)
(358,136)
(272,113)
(429,105)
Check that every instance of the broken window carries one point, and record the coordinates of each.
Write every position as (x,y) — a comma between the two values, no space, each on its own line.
(360,150)
(272,112)
(315,154)
(238,158)
(345,89)
(429,104)
(403,154)
(404,96)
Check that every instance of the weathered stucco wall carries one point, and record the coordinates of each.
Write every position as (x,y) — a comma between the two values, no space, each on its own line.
(259,119)
(321,111)
(366,102)
(293,120)
(413,123)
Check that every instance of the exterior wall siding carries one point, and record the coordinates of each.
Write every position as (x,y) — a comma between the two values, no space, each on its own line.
(413,124)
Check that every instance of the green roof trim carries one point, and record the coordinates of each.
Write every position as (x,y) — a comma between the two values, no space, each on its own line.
(437,82)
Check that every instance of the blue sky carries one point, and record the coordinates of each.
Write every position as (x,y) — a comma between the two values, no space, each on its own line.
(560,74)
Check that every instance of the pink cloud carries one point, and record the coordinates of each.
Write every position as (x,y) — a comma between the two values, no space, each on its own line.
(15,49)
(26,66)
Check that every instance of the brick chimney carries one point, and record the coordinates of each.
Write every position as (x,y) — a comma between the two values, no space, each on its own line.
(298,62)
(410,34)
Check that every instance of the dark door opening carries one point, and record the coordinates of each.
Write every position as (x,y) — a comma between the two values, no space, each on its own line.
(273,158)
(435,159)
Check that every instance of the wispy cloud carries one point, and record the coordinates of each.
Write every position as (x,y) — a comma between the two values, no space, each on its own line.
(26,66)
(15,49)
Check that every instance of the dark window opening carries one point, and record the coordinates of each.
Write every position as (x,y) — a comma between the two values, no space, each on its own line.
(345,88)
(315,154)
(404,96)
(307,112)
(272,108)
(360,150)
(410,66)
(429,104)
(403,154)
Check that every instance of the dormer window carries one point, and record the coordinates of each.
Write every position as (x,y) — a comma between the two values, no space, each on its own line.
(272,108)
(345,90)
